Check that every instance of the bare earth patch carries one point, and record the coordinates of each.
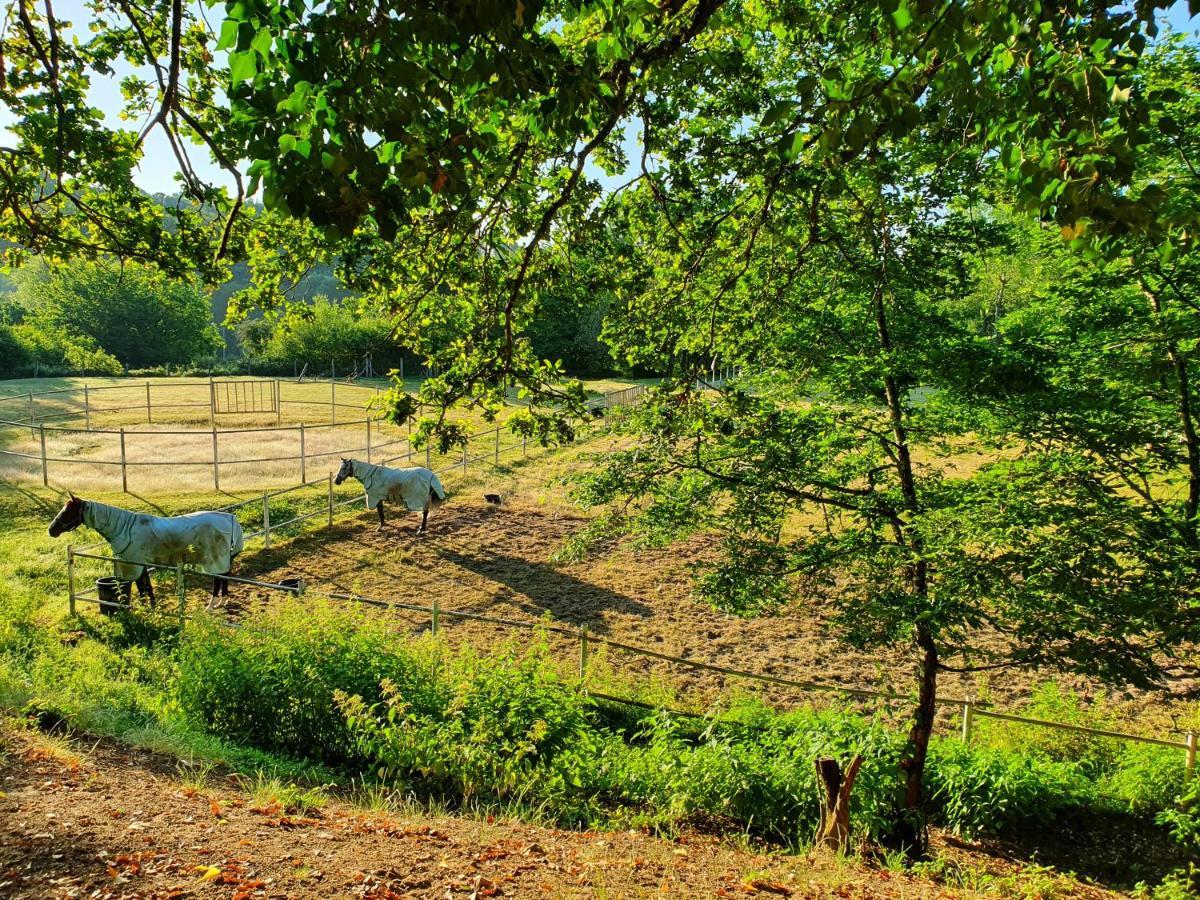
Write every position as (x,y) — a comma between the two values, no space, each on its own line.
(116,822)
(499,561)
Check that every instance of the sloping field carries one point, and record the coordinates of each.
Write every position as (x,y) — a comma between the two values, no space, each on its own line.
(499,561)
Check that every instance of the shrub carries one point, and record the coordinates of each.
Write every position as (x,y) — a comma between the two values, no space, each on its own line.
(14,355)
(56,350)
(506,729)
(977,789)
(273,685)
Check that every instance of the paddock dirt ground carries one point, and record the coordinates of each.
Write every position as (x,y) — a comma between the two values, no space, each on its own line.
(102,820)
(500,562)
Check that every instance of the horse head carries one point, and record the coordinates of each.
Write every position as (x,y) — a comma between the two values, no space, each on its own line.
(345,471)
(69,517)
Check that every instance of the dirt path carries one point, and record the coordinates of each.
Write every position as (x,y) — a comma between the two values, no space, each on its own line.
(109,821)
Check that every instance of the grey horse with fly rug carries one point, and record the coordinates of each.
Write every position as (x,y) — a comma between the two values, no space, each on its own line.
(417,488)
(207,540)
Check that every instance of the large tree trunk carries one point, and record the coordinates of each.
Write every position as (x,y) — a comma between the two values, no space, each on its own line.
(1185,407)
(917,575)
(922,725)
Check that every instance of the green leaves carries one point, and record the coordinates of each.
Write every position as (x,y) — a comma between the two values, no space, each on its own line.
(243,66)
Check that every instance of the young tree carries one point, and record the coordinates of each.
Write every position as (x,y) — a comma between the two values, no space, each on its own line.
(133,312)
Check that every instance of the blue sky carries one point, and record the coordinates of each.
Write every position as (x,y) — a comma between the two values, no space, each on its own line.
(157,171)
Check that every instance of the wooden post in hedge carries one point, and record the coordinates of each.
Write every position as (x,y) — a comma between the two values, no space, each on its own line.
(833,832)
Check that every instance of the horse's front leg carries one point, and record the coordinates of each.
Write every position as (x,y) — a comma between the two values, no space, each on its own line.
(379,509)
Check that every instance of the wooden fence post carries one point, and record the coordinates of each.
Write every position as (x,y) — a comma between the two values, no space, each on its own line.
(212,402)
(216,463)
(435,616)
(1190,767)
(968,719)
(303,473)
(181,593)
(149,419)
(71,578)
(45,468)
(124,480)
(266,518)
(497,445)
(330,499)
(368,438)
(278,403)
(332,393)
(31,413)
(87,409)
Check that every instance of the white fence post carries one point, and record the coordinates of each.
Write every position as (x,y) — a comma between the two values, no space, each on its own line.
(266,520)
(330,499)
(303,475)
(124,480)
(149,420)
(45,468)
(71,578)
(216,462)
(968,719)
(87,409)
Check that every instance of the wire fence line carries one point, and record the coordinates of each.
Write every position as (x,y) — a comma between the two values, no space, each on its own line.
(587,641)
(223,450)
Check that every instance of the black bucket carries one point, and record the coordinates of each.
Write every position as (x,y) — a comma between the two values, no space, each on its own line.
(108,591)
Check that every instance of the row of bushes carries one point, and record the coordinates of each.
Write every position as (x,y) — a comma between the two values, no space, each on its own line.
(507,729)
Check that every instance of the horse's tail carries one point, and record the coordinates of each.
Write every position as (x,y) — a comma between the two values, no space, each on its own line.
(436,487)
(237,541)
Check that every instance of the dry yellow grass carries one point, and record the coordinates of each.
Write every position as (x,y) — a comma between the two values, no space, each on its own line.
(169,442)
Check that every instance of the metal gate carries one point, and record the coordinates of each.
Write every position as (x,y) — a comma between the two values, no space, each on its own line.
(244,397)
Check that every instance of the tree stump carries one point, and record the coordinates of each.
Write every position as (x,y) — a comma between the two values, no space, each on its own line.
(833,832)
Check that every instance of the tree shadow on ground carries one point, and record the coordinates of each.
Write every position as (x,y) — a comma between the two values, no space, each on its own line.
(1114,848)
(548,589)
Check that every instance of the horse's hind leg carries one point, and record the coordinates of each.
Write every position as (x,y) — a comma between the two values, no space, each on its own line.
(424,519)
(146,587)
(379,509)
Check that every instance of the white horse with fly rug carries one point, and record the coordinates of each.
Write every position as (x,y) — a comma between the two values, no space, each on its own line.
(417,488)
(207,540)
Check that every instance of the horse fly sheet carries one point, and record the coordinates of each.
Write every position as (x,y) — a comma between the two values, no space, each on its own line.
(408,486)
(206,540)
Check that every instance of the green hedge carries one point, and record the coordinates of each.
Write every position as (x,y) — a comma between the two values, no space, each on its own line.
(330,686)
